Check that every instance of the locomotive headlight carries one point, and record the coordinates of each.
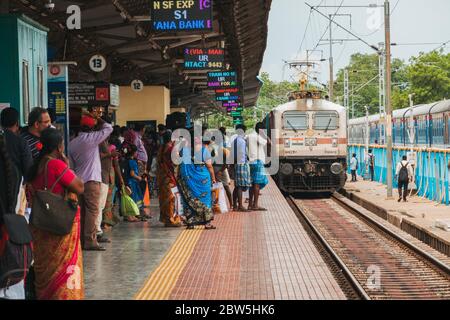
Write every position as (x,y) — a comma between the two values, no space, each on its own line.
(336,168)
(334,143)
(287,143)
(287,169)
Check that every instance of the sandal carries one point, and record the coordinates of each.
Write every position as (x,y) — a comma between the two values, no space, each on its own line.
(210,227)
(190,227)
(94,248)
(259,209)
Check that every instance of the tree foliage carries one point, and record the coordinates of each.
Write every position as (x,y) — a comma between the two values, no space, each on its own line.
(364,82)
(427,76)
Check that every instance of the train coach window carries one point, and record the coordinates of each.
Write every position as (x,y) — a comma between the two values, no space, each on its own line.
(293,120)
(326,121)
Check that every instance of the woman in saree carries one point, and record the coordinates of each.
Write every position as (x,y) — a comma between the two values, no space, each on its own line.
(196,176)
(58,264)
(166,181)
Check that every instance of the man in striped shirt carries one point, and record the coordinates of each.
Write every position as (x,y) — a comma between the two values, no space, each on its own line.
(38,121)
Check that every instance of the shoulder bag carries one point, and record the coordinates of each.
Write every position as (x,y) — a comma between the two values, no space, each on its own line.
(52,212)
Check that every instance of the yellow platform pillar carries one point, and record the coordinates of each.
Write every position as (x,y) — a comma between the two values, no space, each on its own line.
(150,104)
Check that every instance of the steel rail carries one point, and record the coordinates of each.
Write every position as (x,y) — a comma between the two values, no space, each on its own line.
(347,273)
(341,200)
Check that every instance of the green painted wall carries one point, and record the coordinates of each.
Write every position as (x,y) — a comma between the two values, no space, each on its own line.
(22,40)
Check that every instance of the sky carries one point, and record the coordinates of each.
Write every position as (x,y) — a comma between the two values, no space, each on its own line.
(412,22)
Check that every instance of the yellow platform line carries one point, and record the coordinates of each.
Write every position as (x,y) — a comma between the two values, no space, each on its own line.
(163,279)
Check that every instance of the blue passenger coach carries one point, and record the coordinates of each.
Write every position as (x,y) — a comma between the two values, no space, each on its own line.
(430,144)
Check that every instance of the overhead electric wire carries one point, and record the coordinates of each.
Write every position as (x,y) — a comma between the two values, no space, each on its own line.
(416,44)
(442,45)
(306,29)
(381,25)
(328,25)
(341,53)
(354,35)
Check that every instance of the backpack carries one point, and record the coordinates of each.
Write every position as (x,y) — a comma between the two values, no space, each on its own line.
(16,252)
(15,237)
(371,160)
(403,174)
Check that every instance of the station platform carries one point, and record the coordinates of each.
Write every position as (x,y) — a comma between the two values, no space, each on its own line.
(420,217)
(250,256)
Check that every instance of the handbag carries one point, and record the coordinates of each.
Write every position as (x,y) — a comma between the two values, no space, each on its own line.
(52,212)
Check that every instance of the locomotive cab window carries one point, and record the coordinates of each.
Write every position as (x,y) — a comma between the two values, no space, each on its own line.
(293,120)
(326,121)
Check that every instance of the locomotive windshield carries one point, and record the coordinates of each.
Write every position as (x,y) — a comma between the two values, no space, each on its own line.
(294,120)
(326,121)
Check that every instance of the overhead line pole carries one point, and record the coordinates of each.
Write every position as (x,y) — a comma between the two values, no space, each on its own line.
(387,25)
(331,85)
(381,89)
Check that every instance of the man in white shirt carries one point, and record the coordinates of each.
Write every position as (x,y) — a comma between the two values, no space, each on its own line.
(404,174)
(353,167)
(242,178)
(257,157)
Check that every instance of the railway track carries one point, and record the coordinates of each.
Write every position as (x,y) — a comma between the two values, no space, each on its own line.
(377,263)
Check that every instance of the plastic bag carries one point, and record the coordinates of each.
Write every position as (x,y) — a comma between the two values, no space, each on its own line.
(127,205)
(220,204)
(178,202)
(412,186)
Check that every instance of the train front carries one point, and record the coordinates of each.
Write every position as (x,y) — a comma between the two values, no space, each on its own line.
(312,145)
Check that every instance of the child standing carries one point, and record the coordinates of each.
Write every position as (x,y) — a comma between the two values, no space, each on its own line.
(134,179)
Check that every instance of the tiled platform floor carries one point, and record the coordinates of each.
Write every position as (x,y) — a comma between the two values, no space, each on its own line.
(256,255)
(136,249)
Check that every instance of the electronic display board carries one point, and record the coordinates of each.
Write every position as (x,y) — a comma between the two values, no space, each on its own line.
(200,59)
(222,79)
(231,109)
(231,104)
(228,94)
(181,15)
(238,120)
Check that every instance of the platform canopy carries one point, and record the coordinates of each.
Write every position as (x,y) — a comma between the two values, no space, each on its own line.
(121,31)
